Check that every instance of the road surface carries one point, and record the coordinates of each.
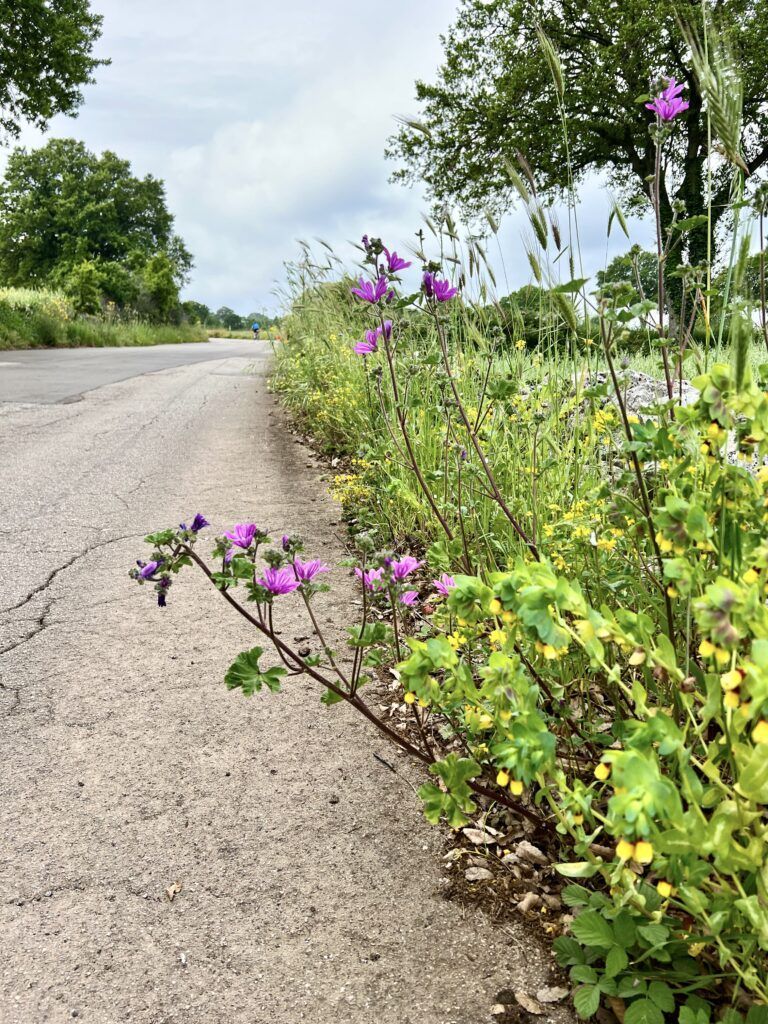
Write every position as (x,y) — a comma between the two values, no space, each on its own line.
(305,883)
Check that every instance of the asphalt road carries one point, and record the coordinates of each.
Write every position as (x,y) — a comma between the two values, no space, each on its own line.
(43,376)
(171,853)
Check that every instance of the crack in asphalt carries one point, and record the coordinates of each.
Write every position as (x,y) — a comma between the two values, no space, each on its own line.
(41,623)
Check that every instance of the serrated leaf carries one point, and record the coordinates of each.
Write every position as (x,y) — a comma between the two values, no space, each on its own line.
(575,896)
(661,994)
(643,1011)
(616,961)
(592,929)
(587,1001)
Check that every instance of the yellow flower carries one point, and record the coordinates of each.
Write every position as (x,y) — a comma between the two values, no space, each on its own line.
(410,698)
(625,850)
(706,649)
(664,889)
(696,949)
(643,852)
(453,641)
(502,779)
(731,680)
(722,657)
(760,732)
(750,576)
(508,618)
(602,771)
(497,636)
(578,819)
(731,700)
(495,607)
(516,787)
(423,703)
(519,344)
(637,657)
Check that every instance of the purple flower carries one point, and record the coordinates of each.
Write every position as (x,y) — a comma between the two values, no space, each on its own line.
(162,591)
(242,534)
(306,571)
(434,288)
(198,523)
(285,542)
(148,569)
(404,568)
(669,103)
(371,578)
(366,242)
(279,581)
(395,262)
(371,343)
(409,597)
(370,292)
(444,584)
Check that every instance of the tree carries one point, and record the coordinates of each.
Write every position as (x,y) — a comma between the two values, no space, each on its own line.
(161,287)
(495,96)
(229,318)
(61,204)
(45,57)
(83,285)
(197,312)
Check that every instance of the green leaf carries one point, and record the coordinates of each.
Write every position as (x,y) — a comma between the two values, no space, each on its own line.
(456,803)
(616,961)
(330,698)
(654,934)
(579,869)
(643,1011)
(575,896)
(753,778)
(244,672)
(587,1001)
(568,951)
(662,995)
(593,930)
(584,974)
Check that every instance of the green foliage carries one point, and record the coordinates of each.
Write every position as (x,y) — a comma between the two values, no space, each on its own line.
(62,206)
(45,57)
(496,91)
(245,674)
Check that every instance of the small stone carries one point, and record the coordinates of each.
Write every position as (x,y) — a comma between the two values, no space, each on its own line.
(498,1009)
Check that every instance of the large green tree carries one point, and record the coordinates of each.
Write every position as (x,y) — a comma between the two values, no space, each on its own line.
(61,205)
(46,55)
(494,97)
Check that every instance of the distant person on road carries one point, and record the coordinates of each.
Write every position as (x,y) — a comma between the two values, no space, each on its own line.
(255,327)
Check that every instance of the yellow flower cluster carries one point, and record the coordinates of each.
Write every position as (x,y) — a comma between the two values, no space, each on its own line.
(349,489)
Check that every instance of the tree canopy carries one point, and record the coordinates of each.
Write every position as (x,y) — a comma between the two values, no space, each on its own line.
(61,205)
(45,57)
(494,97)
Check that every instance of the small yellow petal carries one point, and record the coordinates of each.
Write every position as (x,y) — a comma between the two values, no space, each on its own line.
(731,700)
(625,850)
(502,779)
(410,698)
(664,889)
(760,732)
(496,607)
(706,649)
(643,852)
(602,771)
(516,787)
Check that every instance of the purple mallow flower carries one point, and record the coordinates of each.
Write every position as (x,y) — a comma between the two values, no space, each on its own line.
(370,292)
(279,581)
(242,534)
(444,584)
(371,343)
(395,262)
(371,578)
(148,569)
(306,571)
(434,288)
(669,103)
(409,598)
(199,522)
(402,569)
(162,591)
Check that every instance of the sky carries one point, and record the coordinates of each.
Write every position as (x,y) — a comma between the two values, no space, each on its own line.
(268,122)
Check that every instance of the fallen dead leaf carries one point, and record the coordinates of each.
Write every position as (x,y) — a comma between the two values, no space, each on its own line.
(552,994)
(479,836)
(529,1003)
(477,874)
(173,891)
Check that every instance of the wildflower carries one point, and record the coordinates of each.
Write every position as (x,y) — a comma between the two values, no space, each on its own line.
(409,597)
(395,262)
(371,343)
(162,591)
(625,850)
(669,103)
(434,288)
(706,649)
(731,680)
(760,732)
(578,819)
(306,571)
(400,570)
(278,581)
(410,698)
(196,525)
(495,607)
(664,889)
(497,637)
(371,578)
(602,771)
(643,852)
(444,584)
(285,542)
(520,344)
(242,534)
(516,787)
(370,292)
(502,779)
(148,569)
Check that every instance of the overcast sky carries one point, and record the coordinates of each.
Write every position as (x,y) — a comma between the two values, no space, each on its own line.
(268,122)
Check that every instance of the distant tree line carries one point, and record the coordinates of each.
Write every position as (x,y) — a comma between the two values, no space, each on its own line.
(199,313)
